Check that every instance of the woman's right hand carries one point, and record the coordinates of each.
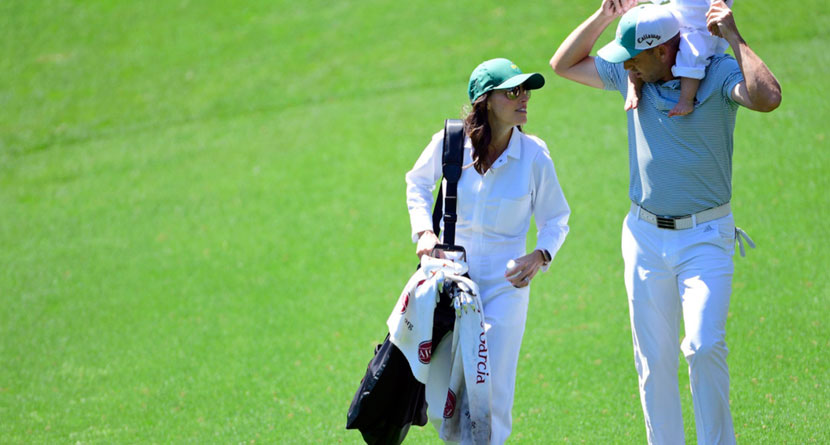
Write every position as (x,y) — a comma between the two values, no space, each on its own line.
(426,241)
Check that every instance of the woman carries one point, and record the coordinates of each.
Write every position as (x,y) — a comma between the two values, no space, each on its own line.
(508,176)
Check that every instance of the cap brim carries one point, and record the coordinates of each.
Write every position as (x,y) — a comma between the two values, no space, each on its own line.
(616,53)
(531,81)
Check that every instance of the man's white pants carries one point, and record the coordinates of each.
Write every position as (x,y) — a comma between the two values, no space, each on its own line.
(671,274)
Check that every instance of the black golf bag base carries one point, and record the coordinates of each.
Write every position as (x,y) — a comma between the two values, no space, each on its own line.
(390,399)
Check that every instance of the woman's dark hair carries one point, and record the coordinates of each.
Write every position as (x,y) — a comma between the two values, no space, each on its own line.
(477,127)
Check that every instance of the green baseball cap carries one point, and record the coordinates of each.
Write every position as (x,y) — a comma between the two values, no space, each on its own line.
(641,28)
(500,74)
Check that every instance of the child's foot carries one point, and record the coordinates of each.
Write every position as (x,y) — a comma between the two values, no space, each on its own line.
(682,108)
(632,100)
(635,87)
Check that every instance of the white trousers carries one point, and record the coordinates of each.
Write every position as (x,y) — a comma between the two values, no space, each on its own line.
(672,275)
(505,313)
(697,45)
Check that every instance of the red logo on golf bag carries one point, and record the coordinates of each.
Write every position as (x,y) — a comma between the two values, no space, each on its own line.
(425,351)
(406,296)
(405,303)
(449,407)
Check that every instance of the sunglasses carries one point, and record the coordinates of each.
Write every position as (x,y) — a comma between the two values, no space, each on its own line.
(515,92)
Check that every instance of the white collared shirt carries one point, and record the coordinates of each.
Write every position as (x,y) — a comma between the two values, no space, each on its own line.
(494,209)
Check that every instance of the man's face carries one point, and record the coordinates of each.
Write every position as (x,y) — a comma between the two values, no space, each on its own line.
(647,65)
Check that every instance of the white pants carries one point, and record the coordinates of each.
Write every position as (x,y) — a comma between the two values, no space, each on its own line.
(505,313)
(669,275)
(697,45)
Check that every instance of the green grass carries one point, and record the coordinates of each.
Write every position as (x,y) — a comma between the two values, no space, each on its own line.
(203,223)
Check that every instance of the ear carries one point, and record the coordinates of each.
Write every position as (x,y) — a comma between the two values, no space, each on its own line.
(664,54)
(660,52)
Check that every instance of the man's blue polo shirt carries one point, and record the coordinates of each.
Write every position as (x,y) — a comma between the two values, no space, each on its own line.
(680,165)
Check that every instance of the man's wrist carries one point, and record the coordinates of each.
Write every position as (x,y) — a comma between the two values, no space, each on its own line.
(602,19)
(736,40)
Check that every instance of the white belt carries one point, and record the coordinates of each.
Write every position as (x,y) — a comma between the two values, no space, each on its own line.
(681,222)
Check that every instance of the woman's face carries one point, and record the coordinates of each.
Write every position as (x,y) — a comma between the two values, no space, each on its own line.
(508,107)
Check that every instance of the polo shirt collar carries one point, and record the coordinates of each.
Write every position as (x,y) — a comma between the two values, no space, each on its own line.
(513,150)
(673,84)
(514,146)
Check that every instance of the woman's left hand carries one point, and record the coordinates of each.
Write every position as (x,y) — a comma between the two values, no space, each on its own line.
(526,268)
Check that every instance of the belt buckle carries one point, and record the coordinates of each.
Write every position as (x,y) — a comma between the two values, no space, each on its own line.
(666,222)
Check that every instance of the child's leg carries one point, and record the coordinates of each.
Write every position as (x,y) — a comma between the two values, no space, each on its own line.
(686,104)
(690,67)
(635,86)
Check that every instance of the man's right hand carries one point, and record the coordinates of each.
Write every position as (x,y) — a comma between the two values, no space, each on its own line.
(572,60)
(616,8)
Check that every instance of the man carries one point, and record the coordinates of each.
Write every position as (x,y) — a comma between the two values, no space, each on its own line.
(679,237)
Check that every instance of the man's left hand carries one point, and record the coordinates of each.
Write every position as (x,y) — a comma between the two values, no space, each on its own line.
(720,22)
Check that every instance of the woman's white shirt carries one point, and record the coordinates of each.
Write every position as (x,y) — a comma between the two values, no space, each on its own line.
(494,209)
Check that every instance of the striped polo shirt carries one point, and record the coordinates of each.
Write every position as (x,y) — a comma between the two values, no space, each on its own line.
(680,165)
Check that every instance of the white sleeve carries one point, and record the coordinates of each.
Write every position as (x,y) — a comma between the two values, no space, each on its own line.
(420,182)
(549,205)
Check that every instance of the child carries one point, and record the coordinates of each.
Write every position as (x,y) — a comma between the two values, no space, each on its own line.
(697,45)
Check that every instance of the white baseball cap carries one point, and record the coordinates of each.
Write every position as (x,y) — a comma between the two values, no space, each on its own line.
(641,28)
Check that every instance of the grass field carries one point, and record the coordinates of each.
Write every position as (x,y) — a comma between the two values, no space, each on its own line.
(203,228)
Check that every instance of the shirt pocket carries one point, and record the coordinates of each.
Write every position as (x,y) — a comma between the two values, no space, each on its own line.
(513,216)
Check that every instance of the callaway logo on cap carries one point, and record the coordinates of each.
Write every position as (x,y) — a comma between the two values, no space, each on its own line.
(641,28)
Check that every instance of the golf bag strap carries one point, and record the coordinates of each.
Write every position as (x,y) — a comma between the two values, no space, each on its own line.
(452,159)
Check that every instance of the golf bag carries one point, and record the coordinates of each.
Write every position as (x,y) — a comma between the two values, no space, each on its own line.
(389,399)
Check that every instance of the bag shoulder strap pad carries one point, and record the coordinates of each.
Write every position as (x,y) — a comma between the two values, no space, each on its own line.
(452,160)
